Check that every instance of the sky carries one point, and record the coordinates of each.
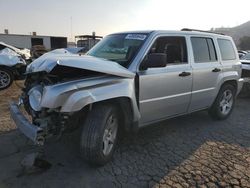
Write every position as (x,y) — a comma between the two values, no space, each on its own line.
(60,17)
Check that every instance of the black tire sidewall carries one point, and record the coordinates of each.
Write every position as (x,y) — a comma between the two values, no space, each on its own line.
(109,113)
(97,118)
(9,72)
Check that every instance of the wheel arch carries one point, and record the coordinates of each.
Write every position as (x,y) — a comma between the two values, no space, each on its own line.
(232,82)
(214,108)
(6,67)
(125,110)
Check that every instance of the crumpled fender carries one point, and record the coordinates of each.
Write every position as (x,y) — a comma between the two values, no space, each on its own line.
(75,95)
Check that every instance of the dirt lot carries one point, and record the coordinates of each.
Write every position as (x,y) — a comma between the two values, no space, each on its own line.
(191,151)
(5,97)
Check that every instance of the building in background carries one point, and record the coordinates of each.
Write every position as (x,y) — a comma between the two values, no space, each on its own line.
(87,41)
(27,41)
(71,45)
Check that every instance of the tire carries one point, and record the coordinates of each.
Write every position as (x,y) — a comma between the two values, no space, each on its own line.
(224,103)
(99,134)
(6,78)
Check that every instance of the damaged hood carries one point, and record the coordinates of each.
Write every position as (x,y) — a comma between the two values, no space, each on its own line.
(24,52)
(48,62)
(10,58)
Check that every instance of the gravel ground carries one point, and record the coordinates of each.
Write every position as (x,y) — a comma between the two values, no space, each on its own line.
(6,96)
(190,151)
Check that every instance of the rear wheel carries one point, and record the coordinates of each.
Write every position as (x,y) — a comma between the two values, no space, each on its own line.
(6,78)
(99,134)
(224,103)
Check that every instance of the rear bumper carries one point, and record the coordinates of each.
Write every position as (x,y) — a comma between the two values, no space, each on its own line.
(34,133)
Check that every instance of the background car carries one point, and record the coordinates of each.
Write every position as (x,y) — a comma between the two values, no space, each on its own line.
(25,53)
(242,53)
(245,60)
(12,67)
(73,50)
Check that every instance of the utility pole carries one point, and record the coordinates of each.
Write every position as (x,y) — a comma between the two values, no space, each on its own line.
(71,34)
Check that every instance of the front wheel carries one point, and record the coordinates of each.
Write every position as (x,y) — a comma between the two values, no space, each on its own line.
(224,102)
(99,134)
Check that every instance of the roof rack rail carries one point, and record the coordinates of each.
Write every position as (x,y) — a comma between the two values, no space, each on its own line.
(187,29)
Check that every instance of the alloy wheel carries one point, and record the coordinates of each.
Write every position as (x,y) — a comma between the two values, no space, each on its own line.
(226,102)
(4,79)
(110,134)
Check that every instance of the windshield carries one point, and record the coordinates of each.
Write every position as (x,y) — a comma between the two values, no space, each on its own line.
(120,48)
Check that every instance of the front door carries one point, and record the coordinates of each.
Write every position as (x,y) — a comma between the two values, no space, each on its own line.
(166,91)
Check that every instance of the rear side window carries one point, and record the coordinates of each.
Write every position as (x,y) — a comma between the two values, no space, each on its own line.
(212,53)
(203,49)
(226,49)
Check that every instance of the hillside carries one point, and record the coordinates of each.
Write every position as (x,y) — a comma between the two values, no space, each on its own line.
(236,32)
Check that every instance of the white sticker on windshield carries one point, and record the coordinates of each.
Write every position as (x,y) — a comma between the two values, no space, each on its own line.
(136,36)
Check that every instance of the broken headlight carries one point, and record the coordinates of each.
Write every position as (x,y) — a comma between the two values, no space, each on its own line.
(35,98)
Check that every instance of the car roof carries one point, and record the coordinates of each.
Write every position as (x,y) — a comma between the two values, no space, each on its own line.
(194,32)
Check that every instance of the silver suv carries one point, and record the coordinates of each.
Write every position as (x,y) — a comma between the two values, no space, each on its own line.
(127,81)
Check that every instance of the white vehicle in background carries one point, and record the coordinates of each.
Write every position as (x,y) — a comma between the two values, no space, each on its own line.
(25,53)
(74,50)
(245,61)
(12,67)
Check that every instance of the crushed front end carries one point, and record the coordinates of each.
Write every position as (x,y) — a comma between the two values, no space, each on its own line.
(60,90)
(45,122)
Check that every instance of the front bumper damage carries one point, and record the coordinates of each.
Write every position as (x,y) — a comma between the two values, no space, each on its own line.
(33,132)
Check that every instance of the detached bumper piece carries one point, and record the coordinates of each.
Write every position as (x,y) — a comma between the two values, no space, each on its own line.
(31,131)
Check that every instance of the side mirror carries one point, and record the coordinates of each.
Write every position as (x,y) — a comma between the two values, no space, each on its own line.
(155,60)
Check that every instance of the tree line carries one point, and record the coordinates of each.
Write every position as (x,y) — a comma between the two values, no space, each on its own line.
(244,43)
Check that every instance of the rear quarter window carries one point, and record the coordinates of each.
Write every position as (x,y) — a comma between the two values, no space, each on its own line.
(226,49)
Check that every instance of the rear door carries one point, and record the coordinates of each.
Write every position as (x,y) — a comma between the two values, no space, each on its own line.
(207,71)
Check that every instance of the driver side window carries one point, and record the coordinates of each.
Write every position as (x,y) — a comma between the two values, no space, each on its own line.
(175,49)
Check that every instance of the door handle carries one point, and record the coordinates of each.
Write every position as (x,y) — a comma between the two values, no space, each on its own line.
(183,74)
(216,70)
